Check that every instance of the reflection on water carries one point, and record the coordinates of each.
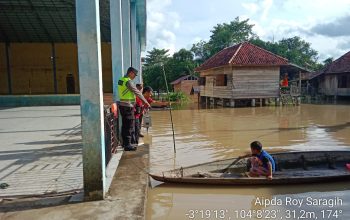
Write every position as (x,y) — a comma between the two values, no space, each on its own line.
(211,134)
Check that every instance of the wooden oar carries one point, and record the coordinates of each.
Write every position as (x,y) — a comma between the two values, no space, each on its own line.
(235,161)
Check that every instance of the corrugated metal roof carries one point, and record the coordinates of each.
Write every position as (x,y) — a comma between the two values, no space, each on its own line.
(243,54)
(42,21)
(54,20)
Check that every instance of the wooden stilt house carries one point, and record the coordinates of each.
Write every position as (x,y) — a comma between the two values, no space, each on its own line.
(241,72)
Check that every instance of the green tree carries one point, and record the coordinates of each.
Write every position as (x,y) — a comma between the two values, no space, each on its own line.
(223,35)
(299,52)
(152,69)
(182,63)
(201,51)
(295,49)
(156,57)
(226,35)
(328,61)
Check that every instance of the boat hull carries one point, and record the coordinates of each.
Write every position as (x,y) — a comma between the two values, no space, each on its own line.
(314,173)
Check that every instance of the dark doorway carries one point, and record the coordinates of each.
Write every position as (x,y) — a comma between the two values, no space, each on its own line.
(70,84)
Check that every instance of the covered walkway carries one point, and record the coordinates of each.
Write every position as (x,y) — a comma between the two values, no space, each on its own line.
(46,149)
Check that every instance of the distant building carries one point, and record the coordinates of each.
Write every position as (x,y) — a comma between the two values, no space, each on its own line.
(185,84)
(243,71)
(334,80)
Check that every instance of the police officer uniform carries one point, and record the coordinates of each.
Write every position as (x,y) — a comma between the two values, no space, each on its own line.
(127,93)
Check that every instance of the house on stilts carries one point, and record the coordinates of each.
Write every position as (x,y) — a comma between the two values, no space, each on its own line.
(245,73)
(334,80)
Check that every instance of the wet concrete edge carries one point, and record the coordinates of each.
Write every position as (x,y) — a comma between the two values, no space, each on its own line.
(126,199)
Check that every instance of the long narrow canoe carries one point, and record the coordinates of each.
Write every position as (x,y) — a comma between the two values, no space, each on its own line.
(291,168)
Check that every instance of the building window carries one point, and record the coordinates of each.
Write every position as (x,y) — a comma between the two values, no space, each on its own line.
(221,80)
(202,81)
(343,81)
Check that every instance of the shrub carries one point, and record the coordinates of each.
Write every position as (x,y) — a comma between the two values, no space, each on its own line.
(177,97)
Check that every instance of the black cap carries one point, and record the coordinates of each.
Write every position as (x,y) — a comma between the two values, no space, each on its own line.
(147,89)
(132,69)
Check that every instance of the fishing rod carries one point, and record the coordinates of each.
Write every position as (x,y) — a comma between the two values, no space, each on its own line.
(171,114)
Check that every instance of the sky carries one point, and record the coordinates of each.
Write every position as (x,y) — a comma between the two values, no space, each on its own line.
(176,24)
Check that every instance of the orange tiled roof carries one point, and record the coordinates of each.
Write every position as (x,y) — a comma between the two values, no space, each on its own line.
(243,54)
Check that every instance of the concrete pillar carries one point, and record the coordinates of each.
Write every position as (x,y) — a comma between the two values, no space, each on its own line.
(261,102)
(215,102)
(232,103)
(138,55)
(53,60)
(308,98)
(211,101)
(298,100)
(253,102)
(8,67)
(91,97)
(277,102)
(126,34)
(299,82)
(116,45)
(135,59)
(226,103)
(265,102)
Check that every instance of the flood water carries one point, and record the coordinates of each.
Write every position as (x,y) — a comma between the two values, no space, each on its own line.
(204,135)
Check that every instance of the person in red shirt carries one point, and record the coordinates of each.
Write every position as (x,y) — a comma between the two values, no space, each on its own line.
(140,109)
(148,93)
(284,82)
(139,106)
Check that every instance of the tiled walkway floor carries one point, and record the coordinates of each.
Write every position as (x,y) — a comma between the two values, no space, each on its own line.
(40,150)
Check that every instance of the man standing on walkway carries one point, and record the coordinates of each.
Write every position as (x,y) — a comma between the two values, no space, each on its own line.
(127,93)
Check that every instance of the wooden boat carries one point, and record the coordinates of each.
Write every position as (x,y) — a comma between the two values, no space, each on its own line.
(291,168)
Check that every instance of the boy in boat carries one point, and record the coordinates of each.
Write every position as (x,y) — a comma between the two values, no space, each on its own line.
(261,163)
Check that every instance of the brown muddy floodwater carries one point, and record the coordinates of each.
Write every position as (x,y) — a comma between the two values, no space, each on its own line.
(211,134)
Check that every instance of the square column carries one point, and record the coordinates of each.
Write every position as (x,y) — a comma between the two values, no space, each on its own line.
(126,34)
(139,61)
(117,45)
(91,97)
(135,59)
(53,60)
(8,68)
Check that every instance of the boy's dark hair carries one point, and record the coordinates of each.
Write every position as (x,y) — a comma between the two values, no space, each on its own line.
(147,89)
(256,145)
(132,69)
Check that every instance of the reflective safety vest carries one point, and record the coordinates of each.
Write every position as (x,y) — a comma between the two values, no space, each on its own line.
(124,93)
